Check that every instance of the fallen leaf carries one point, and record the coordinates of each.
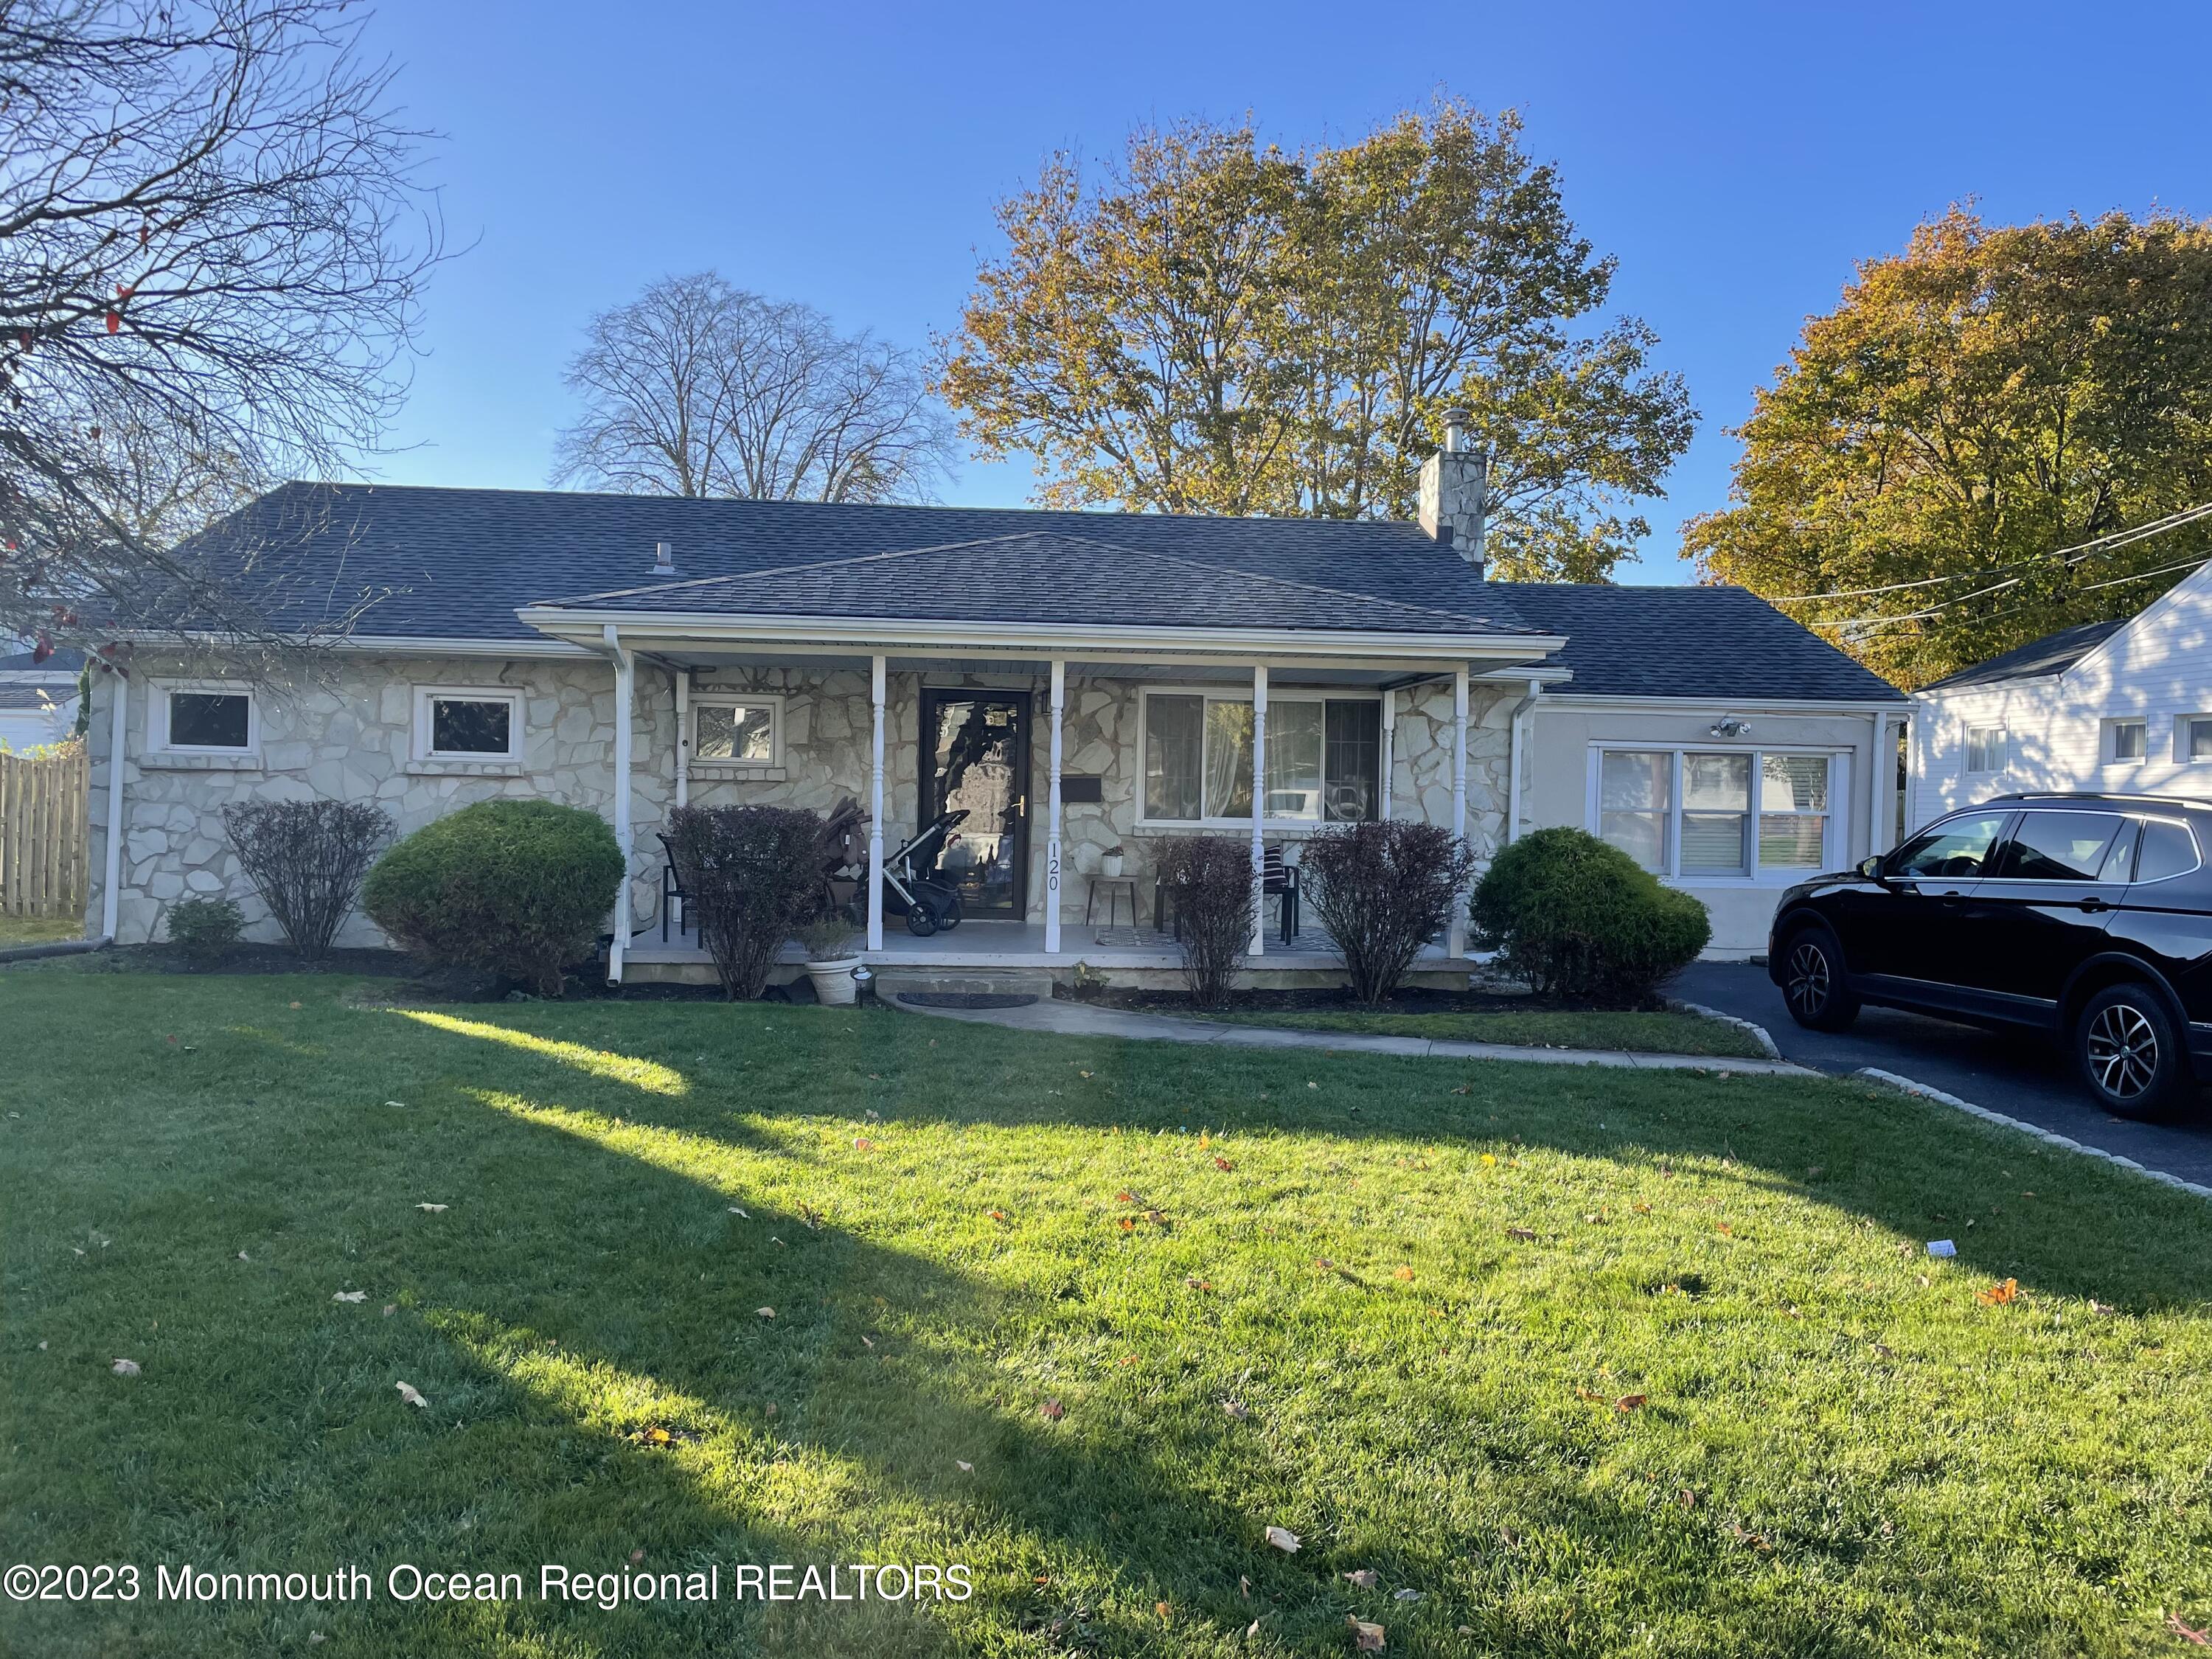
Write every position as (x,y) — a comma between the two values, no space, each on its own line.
(765,1313)
(1237,1408)
(432,1209)
(1404,1273)
(1324,1264)
(964,1468)
(1365,1637)
(1523,1233)
(862,1143)
(1997,1295)
(2195,1638)
(1313,1086)
(1053,1411)
(2097,1307)
(778,1242)
(242,1256)
(350,1296)
(872,1116)
(1365,1577)
(1166,1615)
(867,1341)
(1080,1073)
(996,1215)
(1283,1539)
(1723,1227)
(295,1004)
(121,1367)
(400,1104)
(1406,1595)
(390,1309)
(409,1392)
(1128,1224)
(1629,1402)
(1223,1163)
(636,1556)
(735,1211)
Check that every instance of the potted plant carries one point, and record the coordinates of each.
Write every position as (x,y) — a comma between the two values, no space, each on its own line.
(831,959)
(1109,862)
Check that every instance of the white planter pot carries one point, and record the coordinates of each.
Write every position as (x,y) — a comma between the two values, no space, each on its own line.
(833,982)
(1110,864)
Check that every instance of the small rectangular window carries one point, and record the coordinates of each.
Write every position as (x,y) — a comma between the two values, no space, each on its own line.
(2131,740)
(1173,756)
(1986,749)
(1635,795)
(467,725)
(1716,813)
(743,732)
(2196,736)
(1793,811)
(210,719)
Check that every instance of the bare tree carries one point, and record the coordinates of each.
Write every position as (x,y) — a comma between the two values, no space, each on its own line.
(212,243)
(698,387)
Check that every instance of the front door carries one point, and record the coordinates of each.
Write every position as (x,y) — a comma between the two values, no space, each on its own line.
(975,759)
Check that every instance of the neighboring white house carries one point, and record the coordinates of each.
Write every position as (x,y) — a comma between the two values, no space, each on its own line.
(1076,681)
(2108,706)
(38,698)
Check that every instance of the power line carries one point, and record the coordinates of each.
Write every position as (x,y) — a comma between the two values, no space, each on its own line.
(1999,616)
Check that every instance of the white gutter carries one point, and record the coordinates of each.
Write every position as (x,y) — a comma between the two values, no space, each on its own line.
(1513,761)
(118,731)
(388,644)
(1734,705)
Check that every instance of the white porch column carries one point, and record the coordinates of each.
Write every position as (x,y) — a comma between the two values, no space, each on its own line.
(1052,810)
(111,894)
(1389,733)
(876,814)
(1878,776)
(1456,940)
(1259,807)
(683,768)
(625,695)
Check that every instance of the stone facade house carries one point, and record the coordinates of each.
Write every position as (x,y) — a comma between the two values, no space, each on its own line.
(1074,681)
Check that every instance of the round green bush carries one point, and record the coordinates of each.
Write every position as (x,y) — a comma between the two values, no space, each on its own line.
(1578,918)
(515,887)
(204,929)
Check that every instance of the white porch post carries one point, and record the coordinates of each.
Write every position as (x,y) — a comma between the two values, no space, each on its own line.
(117,729)
(876,814)
(1455,941)
(1259,807)
(625,694)
(683,770)
(1390,733)
(1051,810)
(1877,777)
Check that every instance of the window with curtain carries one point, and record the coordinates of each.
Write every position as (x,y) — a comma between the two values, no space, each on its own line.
(1323,756)
(1716,813)
(1793,811)
(1986,749)
(1635,796)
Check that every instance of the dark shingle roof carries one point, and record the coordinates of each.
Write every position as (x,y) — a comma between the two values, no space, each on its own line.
(32,693)
(63,663)
(457,562)
(2054,653)
(1723,642)
(1048,576)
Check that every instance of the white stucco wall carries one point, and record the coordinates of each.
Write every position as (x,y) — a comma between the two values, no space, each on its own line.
(1563,733)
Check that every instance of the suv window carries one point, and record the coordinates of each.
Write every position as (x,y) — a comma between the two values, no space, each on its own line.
(2058,845)
(2168,849)
(1957,847)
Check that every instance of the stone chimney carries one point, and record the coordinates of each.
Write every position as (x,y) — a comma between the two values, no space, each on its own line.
(664,560)
(1455,490)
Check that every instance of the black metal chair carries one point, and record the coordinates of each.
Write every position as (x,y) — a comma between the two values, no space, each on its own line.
(1277,880)
(671,886)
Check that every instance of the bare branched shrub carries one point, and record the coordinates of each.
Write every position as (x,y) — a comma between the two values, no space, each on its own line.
(306,859)
(751,876)
(1382,890)
(1211,879)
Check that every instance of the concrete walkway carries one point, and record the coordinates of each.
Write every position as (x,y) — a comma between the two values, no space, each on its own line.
(1086,1019)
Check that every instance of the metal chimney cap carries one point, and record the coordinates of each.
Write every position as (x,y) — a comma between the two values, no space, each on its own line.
(663,558)
(1457,419)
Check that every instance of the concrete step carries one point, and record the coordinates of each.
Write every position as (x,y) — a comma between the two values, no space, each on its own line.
(890,980)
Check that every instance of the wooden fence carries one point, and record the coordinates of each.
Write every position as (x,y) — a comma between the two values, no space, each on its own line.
(44,833)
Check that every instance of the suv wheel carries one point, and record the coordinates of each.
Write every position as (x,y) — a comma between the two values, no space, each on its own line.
(1813,982)
(2130,1052)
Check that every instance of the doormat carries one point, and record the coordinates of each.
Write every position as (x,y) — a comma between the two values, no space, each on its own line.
(964,999)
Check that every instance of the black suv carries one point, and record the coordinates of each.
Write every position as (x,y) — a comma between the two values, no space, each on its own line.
(2086,917)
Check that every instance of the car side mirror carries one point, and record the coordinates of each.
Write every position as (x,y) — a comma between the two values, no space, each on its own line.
(1871,868)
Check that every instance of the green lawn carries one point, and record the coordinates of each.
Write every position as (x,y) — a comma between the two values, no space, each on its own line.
(1424,1285)
(1652,1033)
(39,930)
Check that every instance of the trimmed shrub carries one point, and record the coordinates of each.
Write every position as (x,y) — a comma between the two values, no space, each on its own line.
(204,929)
(751,875)
(517,888)
(1383,889)
(307,858)
(1578,918)
(1210,878)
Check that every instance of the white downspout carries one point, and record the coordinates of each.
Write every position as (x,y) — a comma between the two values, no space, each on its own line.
(1513,761)
(1259,808)
(117,732)
(1456,940)
(625,694)
(1051,810)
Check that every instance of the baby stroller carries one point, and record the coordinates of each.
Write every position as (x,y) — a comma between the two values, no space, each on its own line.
(909,882)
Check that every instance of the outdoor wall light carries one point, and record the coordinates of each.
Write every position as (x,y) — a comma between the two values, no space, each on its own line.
(1728,726)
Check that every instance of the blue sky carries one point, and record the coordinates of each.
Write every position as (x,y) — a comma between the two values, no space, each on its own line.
(1737,158)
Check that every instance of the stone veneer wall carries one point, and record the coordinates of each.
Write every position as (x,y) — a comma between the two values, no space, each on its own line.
(346,731)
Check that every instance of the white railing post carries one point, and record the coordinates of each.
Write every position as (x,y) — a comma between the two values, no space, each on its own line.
(1051,810)
(876,812)
(1390,735)
(1259,808)
(683,772)
(1456,940)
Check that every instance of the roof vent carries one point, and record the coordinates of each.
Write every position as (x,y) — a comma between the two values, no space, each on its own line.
(664,560)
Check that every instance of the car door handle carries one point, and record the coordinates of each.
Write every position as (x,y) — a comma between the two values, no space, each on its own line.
(2095,904)
(1953,896)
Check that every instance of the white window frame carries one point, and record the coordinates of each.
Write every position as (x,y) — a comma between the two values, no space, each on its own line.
(2108,741)
(158,716)
(772,701)
(426,696)
(1967,749)
(2181,754)
(1277,696)
(1835,835)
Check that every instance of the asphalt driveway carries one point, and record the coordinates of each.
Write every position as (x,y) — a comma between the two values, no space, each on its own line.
(2007,1073)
